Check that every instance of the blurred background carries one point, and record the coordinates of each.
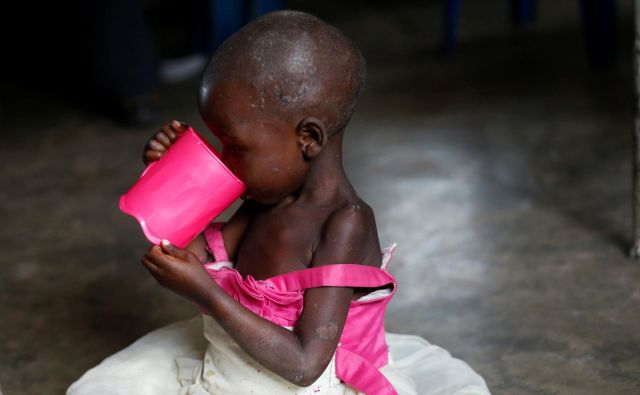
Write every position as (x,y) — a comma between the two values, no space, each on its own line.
(493,141)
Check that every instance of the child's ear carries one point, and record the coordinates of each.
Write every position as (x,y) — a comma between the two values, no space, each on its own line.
(312,136)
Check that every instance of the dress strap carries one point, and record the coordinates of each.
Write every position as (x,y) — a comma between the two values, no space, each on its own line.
(215,242)
(361,374)
(338,275)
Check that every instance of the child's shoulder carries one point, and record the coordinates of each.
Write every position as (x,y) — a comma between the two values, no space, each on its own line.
(350,235)
(350,217)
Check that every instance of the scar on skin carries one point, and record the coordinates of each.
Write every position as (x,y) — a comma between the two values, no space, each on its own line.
(327,332)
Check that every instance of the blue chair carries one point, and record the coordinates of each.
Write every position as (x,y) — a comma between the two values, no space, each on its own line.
(522,11)
(598,25)
(228,16)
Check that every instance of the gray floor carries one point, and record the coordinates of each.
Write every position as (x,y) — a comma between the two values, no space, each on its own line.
(503,175)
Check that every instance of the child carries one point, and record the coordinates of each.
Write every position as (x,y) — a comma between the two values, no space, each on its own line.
(300,311)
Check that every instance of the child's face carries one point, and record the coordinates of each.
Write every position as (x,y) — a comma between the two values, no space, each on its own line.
(261,150)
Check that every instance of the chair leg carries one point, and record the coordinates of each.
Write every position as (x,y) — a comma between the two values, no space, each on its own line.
(451,17)
(635,249)
(226,16)
(523,11)
(599,28)
(261,7)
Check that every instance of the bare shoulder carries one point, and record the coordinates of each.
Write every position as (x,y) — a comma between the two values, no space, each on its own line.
(349,235)
(351,221)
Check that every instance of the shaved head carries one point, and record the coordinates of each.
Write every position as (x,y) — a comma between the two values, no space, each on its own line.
(294,65)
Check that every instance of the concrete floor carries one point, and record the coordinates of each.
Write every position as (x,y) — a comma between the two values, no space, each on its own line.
(504,175)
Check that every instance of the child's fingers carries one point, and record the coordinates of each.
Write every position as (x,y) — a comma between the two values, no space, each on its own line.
(152,267)
(174,251)
(171,133)
(179,127)
(163,136)
(159,257)
(156,145)
(151,156)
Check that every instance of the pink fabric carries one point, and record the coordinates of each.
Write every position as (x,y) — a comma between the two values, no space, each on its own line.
(213,235)
(280,307)
(361,373)
(362,349)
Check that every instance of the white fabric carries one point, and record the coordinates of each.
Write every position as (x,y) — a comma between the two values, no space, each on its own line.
(227,369)
(173,360)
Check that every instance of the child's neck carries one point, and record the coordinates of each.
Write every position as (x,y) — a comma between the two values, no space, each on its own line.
(326,178)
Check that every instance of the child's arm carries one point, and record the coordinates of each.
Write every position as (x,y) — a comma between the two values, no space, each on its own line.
(198,247)
(234,228)
(300,356)
(232,233)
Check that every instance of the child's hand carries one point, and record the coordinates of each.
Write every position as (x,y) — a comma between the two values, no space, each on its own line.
(161,141)
(179,270)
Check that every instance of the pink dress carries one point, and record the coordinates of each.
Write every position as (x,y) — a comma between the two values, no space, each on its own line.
(362,349)
(197,357)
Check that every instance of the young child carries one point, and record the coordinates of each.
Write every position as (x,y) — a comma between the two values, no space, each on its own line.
(300,310)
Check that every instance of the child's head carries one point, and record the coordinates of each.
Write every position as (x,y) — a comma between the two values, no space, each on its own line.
(278,94)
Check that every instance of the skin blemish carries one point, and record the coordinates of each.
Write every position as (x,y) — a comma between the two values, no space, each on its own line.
(285,99)
(327,332)
(298,378)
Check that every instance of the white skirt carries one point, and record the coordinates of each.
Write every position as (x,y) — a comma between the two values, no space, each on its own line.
(182,359)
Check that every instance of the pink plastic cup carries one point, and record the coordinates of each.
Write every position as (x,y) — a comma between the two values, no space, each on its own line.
(177,196)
